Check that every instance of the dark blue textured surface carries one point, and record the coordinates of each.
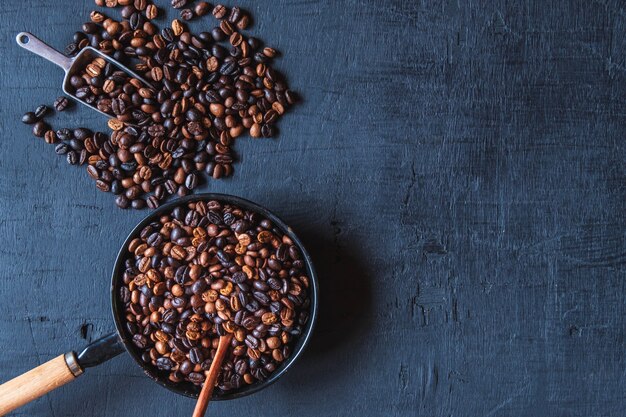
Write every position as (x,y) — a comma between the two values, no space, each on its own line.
(456,169)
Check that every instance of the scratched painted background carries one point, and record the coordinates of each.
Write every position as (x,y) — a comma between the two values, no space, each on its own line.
(457,170)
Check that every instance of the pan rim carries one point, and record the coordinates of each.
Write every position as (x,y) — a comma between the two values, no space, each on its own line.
(302,341)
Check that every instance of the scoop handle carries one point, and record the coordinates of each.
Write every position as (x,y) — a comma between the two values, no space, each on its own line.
(35,45)
(38,381)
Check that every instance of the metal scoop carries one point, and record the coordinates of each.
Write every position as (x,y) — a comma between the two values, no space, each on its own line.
(71,66)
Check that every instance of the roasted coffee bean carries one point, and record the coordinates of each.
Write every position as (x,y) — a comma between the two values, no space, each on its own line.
(40,128)
(138,203)
(82,133)
(152,12)
(140,341)
(196,378)
(101,185)
(243,22)
(50,137)
(239,277)
(202,8)
(178,4)
(62,149)
(29,118)
(152,202)
(65,134)
(186,14)
(219,11)
(122,202)
(41,111)
(218,35)
(191,181)
(235,15)
(164,364)
(186,367)
(61,103)
(82,157)
(196,356)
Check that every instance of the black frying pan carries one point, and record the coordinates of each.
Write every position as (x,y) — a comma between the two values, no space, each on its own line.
(67,367)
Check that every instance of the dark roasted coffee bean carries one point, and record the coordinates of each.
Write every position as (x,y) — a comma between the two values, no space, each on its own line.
(61,103)
(260,285)
(186,367)
(196,356)
(186,14)
(83,93)
(101,185)
(82,133)
(155,239)
(178,4)
(164,364)
(219,11)
(191,181)
(235,15)
(76,144)
(140,341)
(61,149)
(152,202)
(29,118)
(41,111)
(244,22)
(40,128)
(261,298)
(65,134)
(239,277)
(122,202)
(274,283)
(196,378)
(202,8)
(135,21)
(82,157)
(252,342)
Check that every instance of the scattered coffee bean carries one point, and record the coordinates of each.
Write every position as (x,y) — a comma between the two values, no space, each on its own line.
(122,202)
(186,14)
(202,8)
(62,149)
(29,118)
(61,103)
(41,111)
(152,12)
(40,128)
(50,137)
(219,11)
(72,158)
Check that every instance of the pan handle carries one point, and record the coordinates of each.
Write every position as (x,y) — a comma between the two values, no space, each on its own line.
(38,381)
(56,372)
(35,45)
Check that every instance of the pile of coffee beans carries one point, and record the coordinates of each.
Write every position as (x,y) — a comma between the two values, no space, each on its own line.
(207,269)
(114,92)
(206,90)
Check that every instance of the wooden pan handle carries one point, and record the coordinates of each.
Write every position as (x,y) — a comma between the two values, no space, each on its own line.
(38,381)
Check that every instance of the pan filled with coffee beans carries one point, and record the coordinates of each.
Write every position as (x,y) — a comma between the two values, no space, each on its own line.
(193,271)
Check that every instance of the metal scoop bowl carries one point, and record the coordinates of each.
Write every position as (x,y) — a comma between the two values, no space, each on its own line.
(71,66)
